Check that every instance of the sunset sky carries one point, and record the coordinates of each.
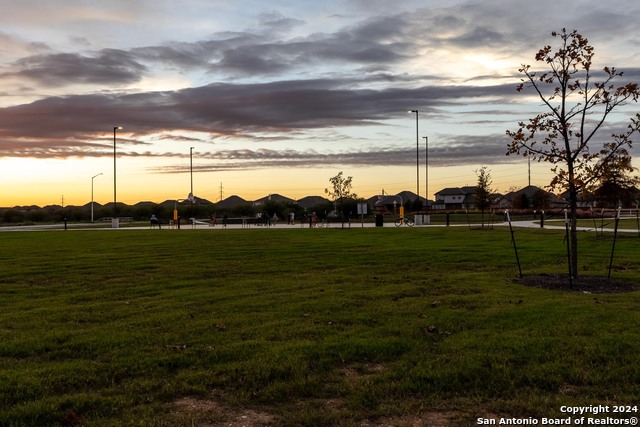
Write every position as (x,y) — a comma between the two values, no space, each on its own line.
(277,96)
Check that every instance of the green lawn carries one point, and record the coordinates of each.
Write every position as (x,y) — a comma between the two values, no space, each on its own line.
(307,327)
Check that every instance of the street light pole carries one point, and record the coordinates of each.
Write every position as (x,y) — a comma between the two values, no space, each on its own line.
(191,171)
(426,170)
(92,194)
(114,221)
(417,155)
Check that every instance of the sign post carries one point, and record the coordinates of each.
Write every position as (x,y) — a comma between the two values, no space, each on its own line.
(362,211)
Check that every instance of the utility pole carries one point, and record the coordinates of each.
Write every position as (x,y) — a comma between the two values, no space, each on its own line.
(426,171)
(417,154)
(191,170)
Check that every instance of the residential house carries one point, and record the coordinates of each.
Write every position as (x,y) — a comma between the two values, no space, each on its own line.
(529,197)
(309,202)
(231,202)
(388,203)
(455,198)
(272,198)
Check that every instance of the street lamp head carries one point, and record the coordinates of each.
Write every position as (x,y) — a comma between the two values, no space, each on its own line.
(412,111)
(117,128)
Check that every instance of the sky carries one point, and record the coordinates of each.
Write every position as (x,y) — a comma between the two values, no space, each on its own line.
(255,97)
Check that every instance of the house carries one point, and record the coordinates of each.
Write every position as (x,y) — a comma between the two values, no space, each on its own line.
(455,198)
(529,197)
(585,200)
(388,203)
(272,198)
(231,202)
(309,202)
(410,197)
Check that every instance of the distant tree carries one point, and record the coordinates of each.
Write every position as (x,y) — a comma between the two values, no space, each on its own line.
(616,186)
(577,108)
(74,214)
(279,208)
(103,212)
(483,190)
(540,199)
(350,206)
(36,215)
(416,205)
(13,216)
(244,209)
(340,191)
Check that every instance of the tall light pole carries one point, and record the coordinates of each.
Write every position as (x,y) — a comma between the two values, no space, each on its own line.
(191,171)
(426,170)
(114,222)
(92,194)
(417,155)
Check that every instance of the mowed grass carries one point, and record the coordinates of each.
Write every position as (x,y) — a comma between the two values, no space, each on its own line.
(312,327)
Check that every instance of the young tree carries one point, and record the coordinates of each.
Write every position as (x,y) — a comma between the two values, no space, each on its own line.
(577,108)
(341,190)
(483,190)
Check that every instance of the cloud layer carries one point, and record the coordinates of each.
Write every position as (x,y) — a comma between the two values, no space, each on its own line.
(279,88)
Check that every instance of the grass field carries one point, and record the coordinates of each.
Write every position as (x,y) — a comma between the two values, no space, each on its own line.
(329,327)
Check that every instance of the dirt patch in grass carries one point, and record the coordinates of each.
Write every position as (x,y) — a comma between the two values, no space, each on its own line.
(190,412)
(361,371)
(428,419)
(209,413)
(585,284)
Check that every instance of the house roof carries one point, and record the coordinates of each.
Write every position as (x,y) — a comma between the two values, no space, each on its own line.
(388,199)
(311,201)
(531,191)
(409,195)
(230,202)
(273,198)
(451,191)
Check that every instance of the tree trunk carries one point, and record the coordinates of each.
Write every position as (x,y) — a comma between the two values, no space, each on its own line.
(573,210)
(573,238)
(573,231)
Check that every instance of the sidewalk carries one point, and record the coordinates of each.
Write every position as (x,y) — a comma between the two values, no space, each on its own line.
(284,226)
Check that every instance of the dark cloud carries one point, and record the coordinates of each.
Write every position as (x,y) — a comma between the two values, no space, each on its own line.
(470,149)
(174,55)
(376,41)
(109,66)
(238,110)
(479,37)
(275,22)
(373,42)
(245,159)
